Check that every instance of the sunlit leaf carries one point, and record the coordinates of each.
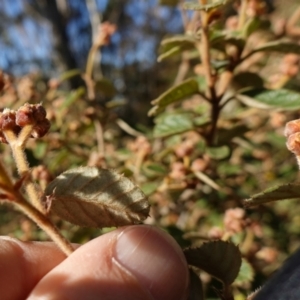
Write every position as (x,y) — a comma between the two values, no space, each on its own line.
(281,192)
(266,99)
(170,124)
(195,289)
(173,51)
(218,258)
(177,93)
(88,196)
(197,6)
(175,45)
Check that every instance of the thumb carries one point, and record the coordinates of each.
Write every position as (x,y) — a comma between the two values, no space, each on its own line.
(134,262)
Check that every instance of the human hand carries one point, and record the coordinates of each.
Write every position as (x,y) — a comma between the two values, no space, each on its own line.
(134,262)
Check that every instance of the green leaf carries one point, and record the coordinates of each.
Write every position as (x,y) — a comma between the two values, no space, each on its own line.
(149,187)
(253,24)
(246,274)
(266,99)
(218,258)
(92,197)
(244,80)
(281,192)
(174,45)
(153,170)
(218,152)
(195,288)
(170,124)
(277,46)
(69,74)
(169,53)
(177,93)
(197,6)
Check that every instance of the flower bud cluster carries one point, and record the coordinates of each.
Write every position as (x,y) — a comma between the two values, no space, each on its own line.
(292,132)
(28,114)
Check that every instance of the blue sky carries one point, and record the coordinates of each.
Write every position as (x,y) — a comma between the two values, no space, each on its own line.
(26,42)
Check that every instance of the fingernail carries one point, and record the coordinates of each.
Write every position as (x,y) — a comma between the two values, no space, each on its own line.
(155,259)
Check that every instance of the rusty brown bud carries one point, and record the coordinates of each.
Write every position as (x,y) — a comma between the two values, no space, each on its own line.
(24,115)
(40,129)
(292,127)
(39,112)
(8,119)
(293,143)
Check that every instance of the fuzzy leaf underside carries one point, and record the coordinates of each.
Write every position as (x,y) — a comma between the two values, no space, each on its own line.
(92,197)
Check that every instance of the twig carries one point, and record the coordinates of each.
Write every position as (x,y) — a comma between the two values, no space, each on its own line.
(17,147)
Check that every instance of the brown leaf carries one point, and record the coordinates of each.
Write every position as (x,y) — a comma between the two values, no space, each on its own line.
(88,196)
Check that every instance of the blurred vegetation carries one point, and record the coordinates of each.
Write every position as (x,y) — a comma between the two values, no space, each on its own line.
(216,138)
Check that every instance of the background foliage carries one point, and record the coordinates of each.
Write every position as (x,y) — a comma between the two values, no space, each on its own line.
(196,160)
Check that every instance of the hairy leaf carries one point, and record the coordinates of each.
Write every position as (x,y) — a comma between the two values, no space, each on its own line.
(170,124)
(266,99)
(218,258)
(197,6)
(88,196)
(174,94)
(281,192)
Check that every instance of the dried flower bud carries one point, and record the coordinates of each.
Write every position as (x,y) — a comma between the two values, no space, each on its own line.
(40,129)
(199,165)
(234,220)
(267,254)
(184,149)
(293,143)
(292,127)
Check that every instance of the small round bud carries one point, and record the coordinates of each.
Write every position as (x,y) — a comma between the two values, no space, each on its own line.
(199,165)
(292,127)
(293,143)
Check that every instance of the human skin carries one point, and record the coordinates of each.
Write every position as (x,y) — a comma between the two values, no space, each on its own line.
(133,262)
